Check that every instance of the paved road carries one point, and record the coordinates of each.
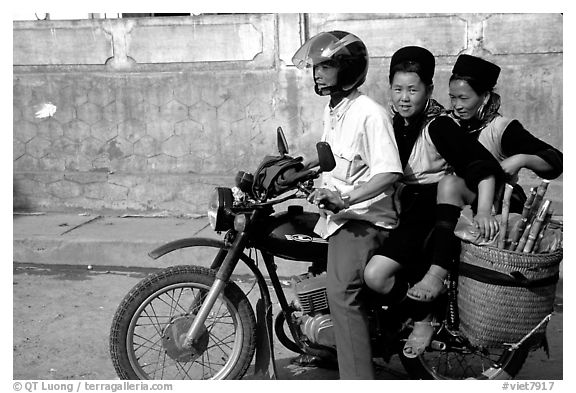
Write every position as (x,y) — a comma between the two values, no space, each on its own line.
(62,317)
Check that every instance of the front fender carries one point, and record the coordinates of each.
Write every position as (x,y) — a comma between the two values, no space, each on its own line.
(185,243)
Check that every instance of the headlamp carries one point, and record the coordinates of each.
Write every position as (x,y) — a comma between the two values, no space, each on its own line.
(219,214)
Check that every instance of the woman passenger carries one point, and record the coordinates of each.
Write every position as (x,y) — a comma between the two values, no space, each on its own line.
(476,107)
(431,146)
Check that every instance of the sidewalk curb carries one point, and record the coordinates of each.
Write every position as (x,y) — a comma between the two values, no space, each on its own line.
(70,239)
(67,239)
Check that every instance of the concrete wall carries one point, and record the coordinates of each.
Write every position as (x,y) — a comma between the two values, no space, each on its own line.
(154,112)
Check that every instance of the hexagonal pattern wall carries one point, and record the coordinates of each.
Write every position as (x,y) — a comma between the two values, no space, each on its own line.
(130,134)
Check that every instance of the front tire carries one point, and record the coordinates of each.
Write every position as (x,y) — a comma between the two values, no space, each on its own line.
(155,314)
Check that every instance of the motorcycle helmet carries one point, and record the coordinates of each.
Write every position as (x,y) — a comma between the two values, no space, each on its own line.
(346,49)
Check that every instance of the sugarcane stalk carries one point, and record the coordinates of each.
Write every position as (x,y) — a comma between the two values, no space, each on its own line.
(524,238)
(519,230)
(504,215)
(538,198)
(537,226)
(545,225)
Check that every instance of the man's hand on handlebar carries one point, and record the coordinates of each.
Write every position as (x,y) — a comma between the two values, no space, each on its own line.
(313,163)
(326,199)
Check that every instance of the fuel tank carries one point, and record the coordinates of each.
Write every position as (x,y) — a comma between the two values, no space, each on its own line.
(290,235)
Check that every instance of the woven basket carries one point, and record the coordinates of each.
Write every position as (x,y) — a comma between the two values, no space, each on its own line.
(503,295)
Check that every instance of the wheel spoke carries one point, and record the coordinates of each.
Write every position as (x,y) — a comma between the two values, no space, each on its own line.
(208,364)
(148,348)
(157,325)
(161,362)
(197,301)
(163,365)
(180,368)
(219,342)
(171,308)
(163,356)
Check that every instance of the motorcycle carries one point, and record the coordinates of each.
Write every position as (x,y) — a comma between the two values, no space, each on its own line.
(194,322)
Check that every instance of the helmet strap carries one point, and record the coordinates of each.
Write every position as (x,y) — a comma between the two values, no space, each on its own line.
(325,91)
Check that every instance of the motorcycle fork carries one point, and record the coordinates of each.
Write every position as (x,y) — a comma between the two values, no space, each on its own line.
(215,265)
(222,276)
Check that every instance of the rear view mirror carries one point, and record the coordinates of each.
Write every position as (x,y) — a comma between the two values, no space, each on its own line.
(325,156)
(281,140)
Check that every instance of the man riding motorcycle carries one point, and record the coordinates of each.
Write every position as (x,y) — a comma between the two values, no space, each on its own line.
(357,201)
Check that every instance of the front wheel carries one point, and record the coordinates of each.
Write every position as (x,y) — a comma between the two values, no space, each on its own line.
(466,362)
(148,327)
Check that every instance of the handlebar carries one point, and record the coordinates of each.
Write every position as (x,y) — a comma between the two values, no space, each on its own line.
(300,181)
(296,177)
(305,187)
(300,187)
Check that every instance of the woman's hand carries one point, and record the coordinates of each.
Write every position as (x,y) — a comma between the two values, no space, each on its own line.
(487,225)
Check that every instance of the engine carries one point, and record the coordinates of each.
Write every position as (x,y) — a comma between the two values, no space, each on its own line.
(312,300)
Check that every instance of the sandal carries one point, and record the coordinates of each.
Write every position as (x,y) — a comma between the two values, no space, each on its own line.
(419,339)
(428,289)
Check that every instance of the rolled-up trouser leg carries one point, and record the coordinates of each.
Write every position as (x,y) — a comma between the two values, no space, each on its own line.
(348,253)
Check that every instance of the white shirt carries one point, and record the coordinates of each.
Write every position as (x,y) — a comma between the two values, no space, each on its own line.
(361,136)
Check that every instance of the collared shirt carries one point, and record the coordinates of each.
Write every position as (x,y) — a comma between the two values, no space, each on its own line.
(361,136)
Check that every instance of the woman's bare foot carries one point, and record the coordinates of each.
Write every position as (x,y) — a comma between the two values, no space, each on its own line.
(431,285)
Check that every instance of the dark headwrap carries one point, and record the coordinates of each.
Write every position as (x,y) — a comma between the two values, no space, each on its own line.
(485,76)
(418,55)
(483,71)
